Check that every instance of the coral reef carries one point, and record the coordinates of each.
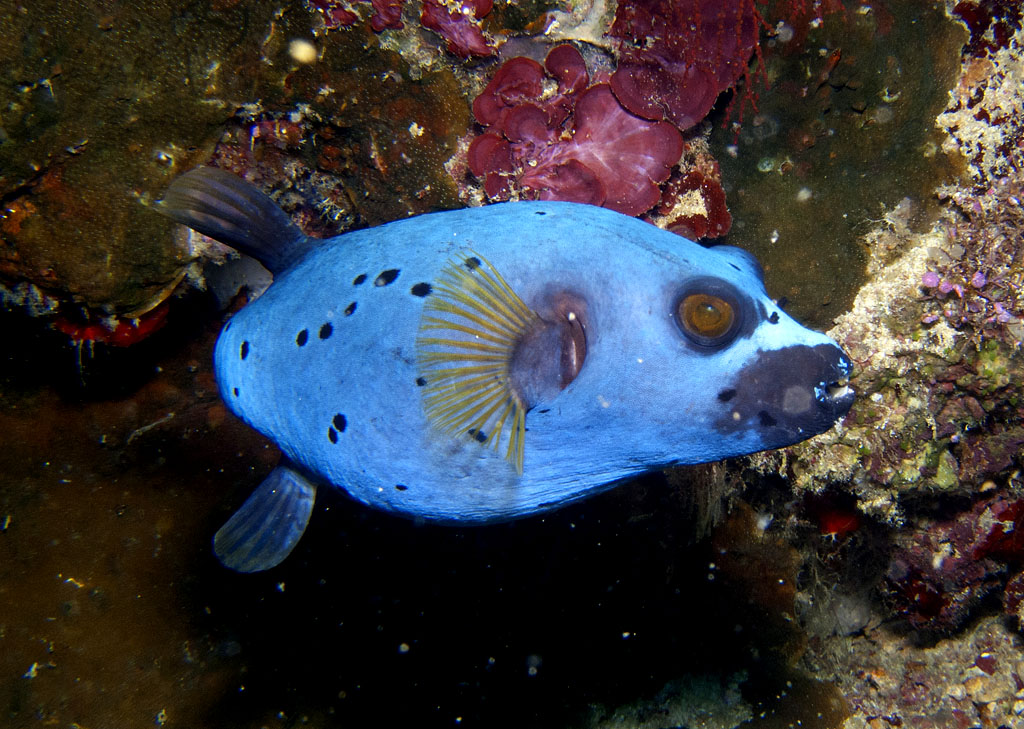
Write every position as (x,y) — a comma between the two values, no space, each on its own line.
(957,683)
(80,166)
(691,701)
(942,570)
(87,134)
(693,202)
(914,597)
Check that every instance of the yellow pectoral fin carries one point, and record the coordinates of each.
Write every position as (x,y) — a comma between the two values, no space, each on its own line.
(469,331)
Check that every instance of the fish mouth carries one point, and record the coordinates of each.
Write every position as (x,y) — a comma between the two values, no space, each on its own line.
(789,394)
(836,396)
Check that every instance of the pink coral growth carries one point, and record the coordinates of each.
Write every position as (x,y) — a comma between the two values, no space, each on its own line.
(577,144)
(939,574)
(459,27)
(339,14)
(457,21)
(677,56)
(335,13)
(387,14)
(714,221)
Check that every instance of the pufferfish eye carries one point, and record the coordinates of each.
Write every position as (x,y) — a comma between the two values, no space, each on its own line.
(708,314)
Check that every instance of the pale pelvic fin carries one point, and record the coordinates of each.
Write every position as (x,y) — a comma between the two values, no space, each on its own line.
(268,525)
(469,330)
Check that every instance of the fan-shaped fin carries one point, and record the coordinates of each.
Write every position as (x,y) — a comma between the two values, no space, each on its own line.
(268,525)
(470,327)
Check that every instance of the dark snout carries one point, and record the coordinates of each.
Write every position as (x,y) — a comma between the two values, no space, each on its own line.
(788,395)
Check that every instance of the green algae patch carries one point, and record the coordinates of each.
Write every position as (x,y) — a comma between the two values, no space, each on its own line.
(102,109)
(845,130)
(98,111)
(383,127)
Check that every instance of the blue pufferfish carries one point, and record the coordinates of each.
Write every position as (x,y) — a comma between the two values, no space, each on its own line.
(487,364)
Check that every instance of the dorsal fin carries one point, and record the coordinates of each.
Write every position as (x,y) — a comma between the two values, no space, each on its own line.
(470,327)
(226,208)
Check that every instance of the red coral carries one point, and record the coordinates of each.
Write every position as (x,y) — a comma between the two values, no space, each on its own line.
(334,13)
(117,332)
(459,27)
(387,14)
(714,221)
(339,14)
(941,573)
(835,513)
(677,56)
(577,144)
(457,21)
(1013,597)
(992,24)
(517,81)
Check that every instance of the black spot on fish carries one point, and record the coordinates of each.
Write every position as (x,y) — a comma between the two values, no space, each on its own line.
(332,435)
(727,395)
(235,391)
(735,266)
(302,338)
(774,318)
(421,381)
(478,435)
(386,277)
(421,289)
(244,352)
(401,487)
(545,410)
(326,330)
(350,308)
(339,422)
(767,420)
(540,212)
(472,263)
(359,279)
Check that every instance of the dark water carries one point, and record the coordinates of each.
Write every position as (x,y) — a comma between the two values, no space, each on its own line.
(115,613)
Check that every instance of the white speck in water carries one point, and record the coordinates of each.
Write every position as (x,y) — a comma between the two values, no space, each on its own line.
(302,51)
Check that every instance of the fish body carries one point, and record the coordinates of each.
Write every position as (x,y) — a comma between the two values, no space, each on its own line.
(362,358)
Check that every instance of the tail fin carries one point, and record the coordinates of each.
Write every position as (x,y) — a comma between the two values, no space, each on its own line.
(228,209)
